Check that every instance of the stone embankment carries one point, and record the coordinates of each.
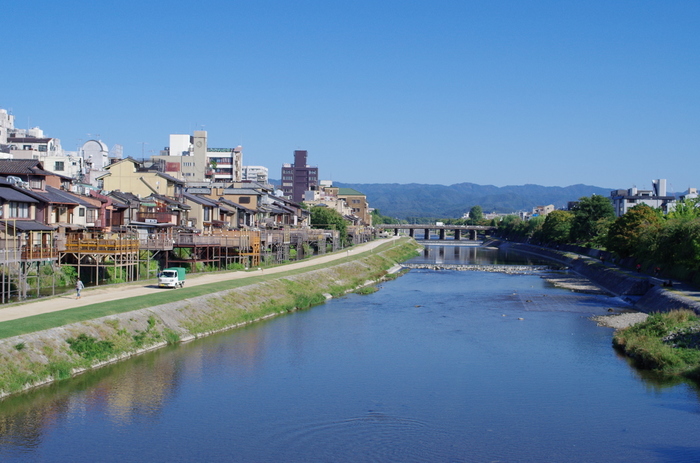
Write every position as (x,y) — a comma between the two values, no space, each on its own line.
(645,293)
(511,269)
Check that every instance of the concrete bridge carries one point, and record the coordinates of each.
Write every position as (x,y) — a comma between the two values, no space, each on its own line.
(469,231)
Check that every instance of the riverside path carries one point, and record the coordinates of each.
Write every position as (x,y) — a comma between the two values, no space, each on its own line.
(116,292)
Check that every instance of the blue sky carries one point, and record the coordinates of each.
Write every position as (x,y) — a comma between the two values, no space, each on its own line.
(489,92)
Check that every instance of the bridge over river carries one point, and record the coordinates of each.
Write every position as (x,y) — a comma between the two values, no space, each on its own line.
(469,231)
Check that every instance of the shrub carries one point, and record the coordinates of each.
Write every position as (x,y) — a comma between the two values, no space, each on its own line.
(90,348)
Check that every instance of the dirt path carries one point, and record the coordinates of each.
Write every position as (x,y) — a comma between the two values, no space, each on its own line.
(115,292)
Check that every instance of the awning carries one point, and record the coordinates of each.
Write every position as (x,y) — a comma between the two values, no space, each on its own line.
(25,225)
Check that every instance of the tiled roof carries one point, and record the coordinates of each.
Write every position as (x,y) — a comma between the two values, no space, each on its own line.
(22,167)
(171,178)
(236,205)
(203,200)
(349,192)
(70,197)
(10,194)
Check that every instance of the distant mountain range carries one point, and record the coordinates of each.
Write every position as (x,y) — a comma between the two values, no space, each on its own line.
(443,201)
(421,200)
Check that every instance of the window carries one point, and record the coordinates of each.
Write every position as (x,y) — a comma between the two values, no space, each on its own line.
(36,183)
(58,166)
(244,200)
(19,210)
(207,214)
(26,147)
(91,215)
(81,212)
(43,148)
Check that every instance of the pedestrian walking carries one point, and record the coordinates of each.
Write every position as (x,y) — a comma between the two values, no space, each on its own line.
(78,287)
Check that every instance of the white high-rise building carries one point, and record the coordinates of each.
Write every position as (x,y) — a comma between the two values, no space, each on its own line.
(191,159)
(257,174)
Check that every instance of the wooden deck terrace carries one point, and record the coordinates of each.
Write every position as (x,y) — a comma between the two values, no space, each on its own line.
(36,253)
(102,246)
(156,244)
(39,253)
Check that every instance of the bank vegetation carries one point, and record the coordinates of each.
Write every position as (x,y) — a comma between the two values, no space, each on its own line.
(666,343)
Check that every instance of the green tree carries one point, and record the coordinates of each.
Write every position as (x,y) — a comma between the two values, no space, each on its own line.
(679,244)
(329,219)
(476,214)
(378,218)
(635,233)
(592,217)
(686,209)
(534,227)
(557,227)
(511,227)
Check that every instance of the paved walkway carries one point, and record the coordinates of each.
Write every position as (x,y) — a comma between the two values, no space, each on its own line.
(115,292)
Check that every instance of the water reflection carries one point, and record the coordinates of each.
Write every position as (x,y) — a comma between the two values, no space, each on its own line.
(477,255)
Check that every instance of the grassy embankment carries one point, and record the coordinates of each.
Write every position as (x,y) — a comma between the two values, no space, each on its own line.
(667,343)
(192,311)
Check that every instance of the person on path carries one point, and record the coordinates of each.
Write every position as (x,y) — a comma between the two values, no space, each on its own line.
(78,287)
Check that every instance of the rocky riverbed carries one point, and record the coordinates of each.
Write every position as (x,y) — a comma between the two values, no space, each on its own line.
(619,321)
(511,269)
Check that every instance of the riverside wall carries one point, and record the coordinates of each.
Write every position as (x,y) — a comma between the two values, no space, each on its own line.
(44,351)
(645,293)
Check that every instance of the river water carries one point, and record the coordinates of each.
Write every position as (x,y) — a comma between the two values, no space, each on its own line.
(436,366)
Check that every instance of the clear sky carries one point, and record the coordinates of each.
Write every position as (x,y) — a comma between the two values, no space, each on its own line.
(604,93)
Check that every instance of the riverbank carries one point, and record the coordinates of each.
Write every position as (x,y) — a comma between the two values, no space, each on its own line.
(664,335)
(645,294)
(40,357)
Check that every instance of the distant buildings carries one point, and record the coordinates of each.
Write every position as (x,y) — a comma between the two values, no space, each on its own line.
(350,203)
(32,144)
(298,177)
(258,174)
(624,200)
(191,159)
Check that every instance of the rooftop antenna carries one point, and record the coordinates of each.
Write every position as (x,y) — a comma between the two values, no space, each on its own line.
(143,150)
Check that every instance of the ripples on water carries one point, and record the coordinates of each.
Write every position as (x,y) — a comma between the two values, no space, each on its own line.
(437,366)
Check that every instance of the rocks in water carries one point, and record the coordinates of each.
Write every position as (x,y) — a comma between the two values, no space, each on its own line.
(510,269)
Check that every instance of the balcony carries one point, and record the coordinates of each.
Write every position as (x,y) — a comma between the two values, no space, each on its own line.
(102,246)
(156,217)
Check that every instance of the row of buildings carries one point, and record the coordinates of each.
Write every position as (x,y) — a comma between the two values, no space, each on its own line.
(189,205)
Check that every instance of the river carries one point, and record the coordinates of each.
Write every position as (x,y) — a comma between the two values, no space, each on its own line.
(436,366)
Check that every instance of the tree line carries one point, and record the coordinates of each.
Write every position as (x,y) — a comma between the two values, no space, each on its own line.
(644,234)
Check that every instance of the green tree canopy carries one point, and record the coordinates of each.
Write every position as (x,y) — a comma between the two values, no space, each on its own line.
(329,219)
(592,217)
(557,226)
(679,244)
(635,233)
(686,210)
(378,218)
(476,214)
